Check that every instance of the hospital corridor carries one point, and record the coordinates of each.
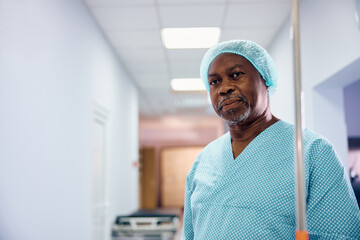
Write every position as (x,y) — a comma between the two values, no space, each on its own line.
(108,130)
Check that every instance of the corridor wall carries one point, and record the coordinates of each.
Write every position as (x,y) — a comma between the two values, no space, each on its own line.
(55,65)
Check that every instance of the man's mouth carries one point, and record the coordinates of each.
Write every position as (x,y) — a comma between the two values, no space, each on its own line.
(229,103)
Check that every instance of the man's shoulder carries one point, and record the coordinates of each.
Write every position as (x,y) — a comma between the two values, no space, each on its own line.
(310,137)
(313,139)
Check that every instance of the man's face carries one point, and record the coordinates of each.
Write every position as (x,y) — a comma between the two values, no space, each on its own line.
(237,91)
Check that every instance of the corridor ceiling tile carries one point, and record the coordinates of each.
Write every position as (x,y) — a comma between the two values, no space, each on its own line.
(114,3)
(253,14)
(151,38)
(148,68)
(186,54)
(190,2)
(185,69)
(126,18)
(262,36)
(191,16)
(141,53)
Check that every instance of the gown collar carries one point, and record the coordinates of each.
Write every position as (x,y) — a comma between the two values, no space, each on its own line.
(257,142)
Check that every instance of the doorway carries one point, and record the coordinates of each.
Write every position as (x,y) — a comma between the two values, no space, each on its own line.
(98,176)
(352,117)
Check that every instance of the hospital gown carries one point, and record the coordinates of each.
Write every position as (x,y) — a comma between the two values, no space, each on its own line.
(253,196)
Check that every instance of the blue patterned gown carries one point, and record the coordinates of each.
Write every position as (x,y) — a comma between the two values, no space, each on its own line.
(253,196)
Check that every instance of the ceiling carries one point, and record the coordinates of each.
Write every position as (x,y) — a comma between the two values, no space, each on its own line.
(133,28)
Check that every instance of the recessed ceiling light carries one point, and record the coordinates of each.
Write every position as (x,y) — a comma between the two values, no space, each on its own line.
(187,84)
(180,38)
(191,101)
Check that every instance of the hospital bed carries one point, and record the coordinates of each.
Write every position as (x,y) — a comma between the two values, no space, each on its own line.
(146,225)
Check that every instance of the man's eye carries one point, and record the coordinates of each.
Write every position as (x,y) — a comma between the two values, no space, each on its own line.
(236,74)
(213,82)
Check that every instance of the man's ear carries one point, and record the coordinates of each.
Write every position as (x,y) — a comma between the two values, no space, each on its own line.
(266,83)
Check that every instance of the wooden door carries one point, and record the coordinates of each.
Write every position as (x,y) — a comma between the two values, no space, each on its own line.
(175,165)
(147,174)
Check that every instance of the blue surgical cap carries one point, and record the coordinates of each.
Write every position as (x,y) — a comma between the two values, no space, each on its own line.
(253,52)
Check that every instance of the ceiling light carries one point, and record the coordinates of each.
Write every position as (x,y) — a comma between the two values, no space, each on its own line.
(180,38)
(187,84)
(191,102)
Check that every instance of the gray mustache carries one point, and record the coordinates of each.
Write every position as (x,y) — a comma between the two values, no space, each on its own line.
(240,97)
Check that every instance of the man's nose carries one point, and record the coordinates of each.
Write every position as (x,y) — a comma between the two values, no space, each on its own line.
(226,89)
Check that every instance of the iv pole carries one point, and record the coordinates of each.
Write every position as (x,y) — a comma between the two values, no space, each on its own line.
(301,231)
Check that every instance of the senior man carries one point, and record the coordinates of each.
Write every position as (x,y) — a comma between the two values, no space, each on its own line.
(242,185)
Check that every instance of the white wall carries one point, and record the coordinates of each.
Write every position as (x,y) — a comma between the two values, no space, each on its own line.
(352,109)
(330,41)
(54,64)
(282,101)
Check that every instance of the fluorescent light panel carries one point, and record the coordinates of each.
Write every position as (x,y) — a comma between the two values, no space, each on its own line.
(182,38)
(187,84)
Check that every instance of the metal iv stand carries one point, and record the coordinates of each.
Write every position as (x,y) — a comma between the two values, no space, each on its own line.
(301,230)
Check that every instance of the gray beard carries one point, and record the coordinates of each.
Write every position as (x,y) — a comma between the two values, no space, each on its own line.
(235,118)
